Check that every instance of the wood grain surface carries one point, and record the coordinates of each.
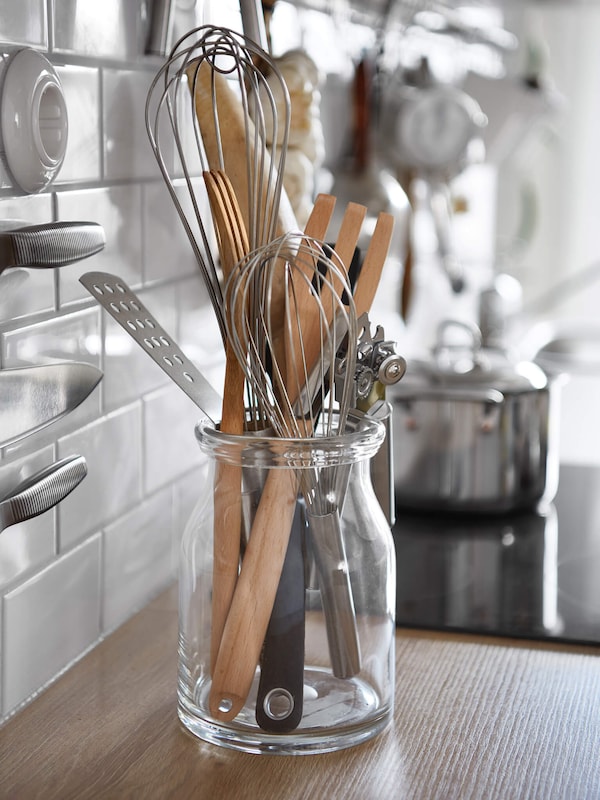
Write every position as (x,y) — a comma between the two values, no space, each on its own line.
(475,718)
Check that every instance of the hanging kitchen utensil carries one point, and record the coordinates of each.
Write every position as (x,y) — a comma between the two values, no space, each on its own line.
(33,397)
(360,175)
(42,491)
(54,244)
(127,309)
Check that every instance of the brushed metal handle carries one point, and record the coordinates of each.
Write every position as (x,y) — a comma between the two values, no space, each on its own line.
(42,491)
(51,245)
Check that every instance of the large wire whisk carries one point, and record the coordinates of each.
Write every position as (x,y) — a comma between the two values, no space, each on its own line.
(210,106)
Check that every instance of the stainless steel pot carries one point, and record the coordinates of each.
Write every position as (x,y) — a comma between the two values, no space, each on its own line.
(474,431)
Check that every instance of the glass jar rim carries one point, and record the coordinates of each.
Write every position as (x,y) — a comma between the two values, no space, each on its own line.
(361,440)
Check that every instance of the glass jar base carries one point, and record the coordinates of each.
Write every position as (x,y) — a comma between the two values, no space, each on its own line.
(338,713)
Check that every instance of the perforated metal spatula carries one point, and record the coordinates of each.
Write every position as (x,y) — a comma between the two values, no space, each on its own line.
(127,309)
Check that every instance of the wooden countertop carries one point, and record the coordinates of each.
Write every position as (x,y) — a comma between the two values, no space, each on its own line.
(475,718)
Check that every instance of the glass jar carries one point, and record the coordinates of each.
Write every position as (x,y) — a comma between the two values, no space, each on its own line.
(287,594)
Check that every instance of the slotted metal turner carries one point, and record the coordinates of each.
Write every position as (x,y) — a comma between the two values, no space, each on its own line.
(127,309)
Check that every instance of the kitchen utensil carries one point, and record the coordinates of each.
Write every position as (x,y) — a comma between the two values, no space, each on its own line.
(212,101)
(233,245)
(53,244)
(361,175)
(42,491)
(289,260)
(473,430)
(279,698)
(336,711)
(33,397)
(369,275)
(127,309)
(253,22)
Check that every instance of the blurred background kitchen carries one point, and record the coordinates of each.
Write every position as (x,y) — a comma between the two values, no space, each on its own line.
(494,187)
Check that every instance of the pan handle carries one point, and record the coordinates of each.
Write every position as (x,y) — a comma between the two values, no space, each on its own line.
(54,244)
(42,491)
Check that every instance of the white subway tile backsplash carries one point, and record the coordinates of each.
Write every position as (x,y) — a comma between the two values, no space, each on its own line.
(171,448)
(49,621)
(191,13)
(110,29)
(119,210)
(73,337)
(137,558)
(26,545)
(168,253)
(28,209)
(23,22)
(127,152)
(112,447)
(81,87)
(25,291)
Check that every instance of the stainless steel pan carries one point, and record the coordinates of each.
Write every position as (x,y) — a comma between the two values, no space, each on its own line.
(33,397)
(474,431)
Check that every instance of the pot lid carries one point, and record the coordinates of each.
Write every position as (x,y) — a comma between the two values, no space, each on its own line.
(459,362)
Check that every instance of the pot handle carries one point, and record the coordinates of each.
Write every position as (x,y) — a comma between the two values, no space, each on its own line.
(493,396)
(472,343)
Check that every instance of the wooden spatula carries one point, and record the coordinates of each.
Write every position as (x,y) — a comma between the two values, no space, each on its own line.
(304,342)
(233,245)
(372,266)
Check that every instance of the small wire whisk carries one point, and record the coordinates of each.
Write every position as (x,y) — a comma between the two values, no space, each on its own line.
(296,395)
(211,107)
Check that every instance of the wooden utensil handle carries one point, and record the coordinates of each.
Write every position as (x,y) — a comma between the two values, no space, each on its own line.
(372,267)
(254,595)
(227,507)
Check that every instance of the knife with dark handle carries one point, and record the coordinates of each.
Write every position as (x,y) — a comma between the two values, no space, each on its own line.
(42,491)
(33,397)
(54,244)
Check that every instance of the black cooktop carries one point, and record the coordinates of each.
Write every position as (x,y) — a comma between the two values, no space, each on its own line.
(533,575)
